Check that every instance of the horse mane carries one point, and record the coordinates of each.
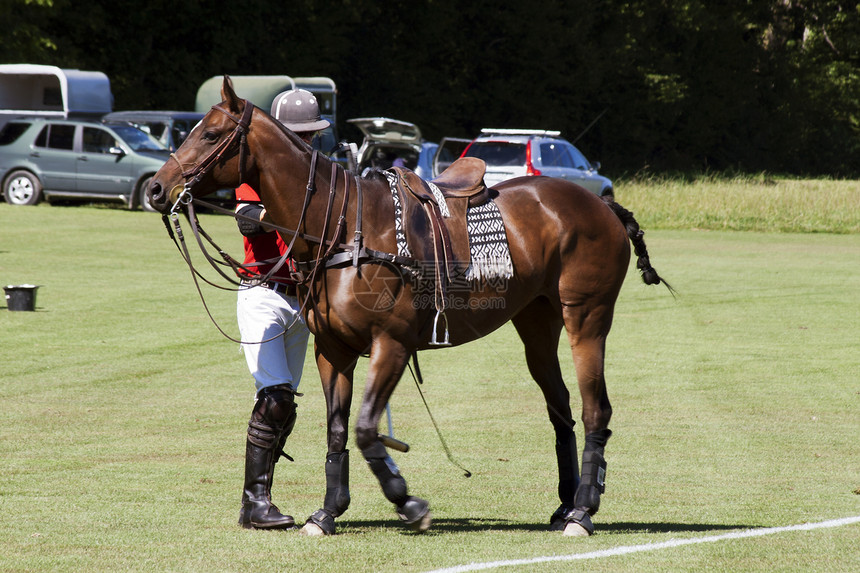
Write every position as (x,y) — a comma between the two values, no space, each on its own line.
(636,234)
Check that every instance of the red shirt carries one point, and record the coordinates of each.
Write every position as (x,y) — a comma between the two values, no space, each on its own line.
(265,246)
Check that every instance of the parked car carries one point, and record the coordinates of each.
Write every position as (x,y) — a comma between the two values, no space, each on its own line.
(389,142)
(68,159)
(169,127)
(449,150)
(513,153)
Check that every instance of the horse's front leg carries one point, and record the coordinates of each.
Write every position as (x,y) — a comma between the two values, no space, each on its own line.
(337,387)
(387,360)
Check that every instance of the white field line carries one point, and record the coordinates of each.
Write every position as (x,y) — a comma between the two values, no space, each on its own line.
(624,550)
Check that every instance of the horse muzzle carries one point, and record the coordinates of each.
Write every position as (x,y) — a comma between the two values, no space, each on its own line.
(162,200)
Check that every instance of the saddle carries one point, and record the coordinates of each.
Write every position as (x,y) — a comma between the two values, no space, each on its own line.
(464,178)
(444,203)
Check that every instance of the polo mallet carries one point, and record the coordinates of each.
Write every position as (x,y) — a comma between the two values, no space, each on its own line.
(389,441)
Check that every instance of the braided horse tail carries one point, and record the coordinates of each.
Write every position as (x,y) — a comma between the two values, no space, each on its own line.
(649,273)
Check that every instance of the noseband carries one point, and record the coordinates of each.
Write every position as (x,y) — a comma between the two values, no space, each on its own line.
(194,174)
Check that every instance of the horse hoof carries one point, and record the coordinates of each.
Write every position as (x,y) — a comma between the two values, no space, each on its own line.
(424,524)
(575,530)
(415,513)
(312,530)
(319,523)
(578,524)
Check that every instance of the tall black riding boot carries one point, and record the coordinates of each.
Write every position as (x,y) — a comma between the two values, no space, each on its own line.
(272,420)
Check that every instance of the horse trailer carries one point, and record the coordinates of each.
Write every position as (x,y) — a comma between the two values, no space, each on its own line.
(49,91)
(262,90)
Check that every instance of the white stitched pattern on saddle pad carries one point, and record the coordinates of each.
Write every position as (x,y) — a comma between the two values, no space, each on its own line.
(440,199)
(402,247)
(488,244)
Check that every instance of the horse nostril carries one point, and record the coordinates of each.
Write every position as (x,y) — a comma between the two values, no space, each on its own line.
(156,193)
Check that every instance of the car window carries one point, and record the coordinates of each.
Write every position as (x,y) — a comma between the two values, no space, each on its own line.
(156,129)
(498,153)
(98,140)
(12,131)
(57,136)
(383,157)
(138,140)
(447,156)
(181,129)
(554,154)
(579,160)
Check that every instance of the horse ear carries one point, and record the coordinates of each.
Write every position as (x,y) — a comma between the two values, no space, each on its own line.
(228,95)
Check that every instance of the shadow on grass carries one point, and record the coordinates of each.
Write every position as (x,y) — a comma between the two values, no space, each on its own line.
(631,527)
(473,525)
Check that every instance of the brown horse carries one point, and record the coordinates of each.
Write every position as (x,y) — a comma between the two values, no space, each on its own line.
(570,252)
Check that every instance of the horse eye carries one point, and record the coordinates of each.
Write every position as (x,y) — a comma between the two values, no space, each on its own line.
(210,135)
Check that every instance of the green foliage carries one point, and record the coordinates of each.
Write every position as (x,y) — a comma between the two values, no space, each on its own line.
(690,86)
(26,40)
(124,411)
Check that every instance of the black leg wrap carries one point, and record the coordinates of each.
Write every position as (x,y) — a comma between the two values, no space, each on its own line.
(593,472)
(337,484)
(324,520)
(386,471)
(568,480)
(568,470)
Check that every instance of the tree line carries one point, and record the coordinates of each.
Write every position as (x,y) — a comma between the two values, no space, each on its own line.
(644,86)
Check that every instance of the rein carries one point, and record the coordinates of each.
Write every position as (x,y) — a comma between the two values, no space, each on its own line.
(331,252)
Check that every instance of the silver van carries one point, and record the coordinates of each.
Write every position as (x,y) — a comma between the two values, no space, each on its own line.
(42,158)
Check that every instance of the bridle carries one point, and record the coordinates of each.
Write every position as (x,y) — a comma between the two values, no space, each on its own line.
(193,175)
(331,252)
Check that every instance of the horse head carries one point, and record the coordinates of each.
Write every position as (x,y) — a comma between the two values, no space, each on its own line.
(213,156)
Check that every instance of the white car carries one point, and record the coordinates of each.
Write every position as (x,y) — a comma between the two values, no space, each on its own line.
(513,153)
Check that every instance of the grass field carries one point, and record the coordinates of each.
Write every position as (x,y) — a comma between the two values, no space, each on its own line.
(745,203)
(123,412)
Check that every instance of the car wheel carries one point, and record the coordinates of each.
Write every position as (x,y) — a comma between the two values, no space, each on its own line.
(22,188)
(142,199)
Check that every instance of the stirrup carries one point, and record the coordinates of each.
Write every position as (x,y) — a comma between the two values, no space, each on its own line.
(434,340)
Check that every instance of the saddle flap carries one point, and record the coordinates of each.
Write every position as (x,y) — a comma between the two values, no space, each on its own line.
(414,184)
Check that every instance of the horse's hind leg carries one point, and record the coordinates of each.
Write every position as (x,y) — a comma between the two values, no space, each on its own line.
(587,328)
(539,327)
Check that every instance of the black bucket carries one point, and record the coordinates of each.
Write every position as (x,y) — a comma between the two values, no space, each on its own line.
(21,297)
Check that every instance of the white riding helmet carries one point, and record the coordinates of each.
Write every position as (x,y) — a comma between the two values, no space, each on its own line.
(299,111)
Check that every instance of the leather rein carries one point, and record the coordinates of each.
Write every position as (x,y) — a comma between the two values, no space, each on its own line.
(331,252)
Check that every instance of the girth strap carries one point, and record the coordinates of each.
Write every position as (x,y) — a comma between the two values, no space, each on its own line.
(443,253)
